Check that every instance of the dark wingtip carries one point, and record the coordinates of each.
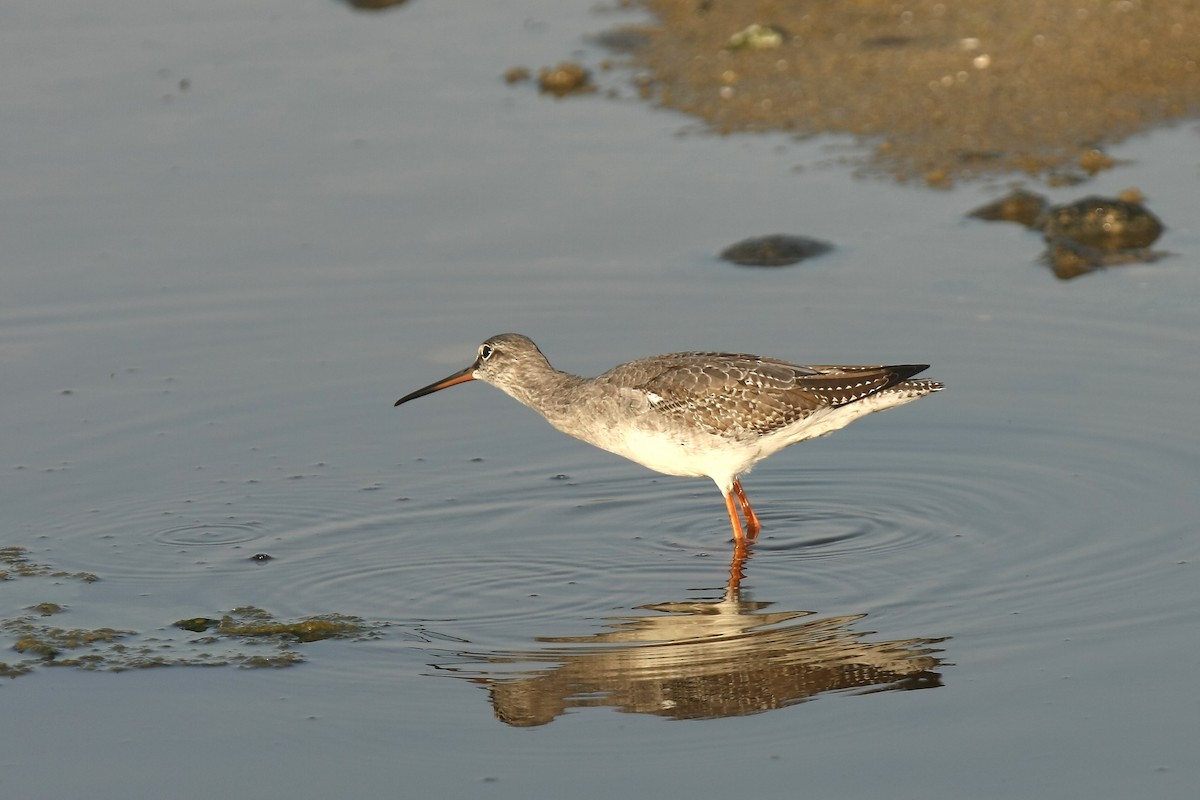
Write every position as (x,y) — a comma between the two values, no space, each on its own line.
(905,371)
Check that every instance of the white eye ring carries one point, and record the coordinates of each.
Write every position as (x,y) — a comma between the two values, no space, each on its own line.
(485,352)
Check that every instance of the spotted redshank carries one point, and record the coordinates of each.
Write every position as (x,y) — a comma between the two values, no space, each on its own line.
(692,414)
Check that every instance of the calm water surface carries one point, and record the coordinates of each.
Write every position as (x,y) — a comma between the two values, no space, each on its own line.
(237,235)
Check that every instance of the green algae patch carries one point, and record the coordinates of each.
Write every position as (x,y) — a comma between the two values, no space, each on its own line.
(13,670)
(196,624)
(46,642)
(15,563)
(47,609)
(248,637)
(249,621)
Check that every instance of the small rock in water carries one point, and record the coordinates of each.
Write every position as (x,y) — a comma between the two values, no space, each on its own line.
(374,5)
(1070,259)
(1020,206)
(1085,235)
(197,624)
(516,74)
(778,250)
(566,78)
(1106,223)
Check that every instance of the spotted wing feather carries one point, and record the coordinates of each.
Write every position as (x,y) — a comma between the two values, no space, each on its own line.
(730,394)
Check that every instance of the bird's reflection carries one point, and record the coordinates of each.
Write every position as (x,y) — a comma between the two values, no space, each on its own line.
(698,660)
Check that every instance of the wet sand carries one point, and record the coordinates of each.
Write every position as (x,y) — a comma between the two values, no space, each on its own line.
(940,91)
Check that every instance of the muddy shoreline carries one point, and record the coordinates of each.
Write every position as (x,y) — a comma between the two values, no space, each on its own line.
(938,91)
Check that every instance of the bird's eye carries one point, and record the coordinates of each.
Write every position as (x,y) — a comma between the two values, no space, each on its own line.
(485,352)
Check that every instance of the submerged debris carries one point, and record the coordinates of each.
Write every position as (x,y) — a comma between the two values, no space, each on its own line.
(777,250)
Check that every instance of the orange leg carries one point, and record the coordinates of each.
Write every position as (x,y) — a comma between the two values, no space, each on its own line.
(752,524)
(739,535)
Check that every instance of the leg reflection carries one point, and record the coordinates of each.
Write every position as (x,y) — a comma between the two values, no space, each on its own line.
(737,568)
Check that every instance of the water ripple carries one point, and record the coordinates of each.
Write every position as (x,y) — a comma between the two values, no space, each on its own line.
(208,534)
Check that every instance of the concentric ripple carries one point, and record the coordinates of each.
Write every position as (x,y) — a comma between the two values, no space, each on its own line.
(208,534)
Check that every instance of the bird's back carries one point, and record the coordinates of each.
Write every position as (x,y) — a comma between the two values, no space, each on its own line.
(733,395)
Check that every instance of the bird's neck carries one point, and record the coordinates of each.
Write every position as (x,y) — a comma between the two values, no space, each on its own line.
(546,390)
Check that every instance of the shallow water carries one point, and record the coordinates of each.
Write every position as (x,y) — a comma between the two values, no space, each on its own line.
(213,295)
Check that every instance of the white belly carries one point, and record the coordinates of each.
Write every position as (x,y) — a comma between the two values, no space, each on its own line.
(695,456)
(671,449)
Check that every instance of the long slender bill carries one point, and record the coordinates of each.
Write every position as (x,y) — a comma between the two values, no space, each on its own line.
(462,376)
